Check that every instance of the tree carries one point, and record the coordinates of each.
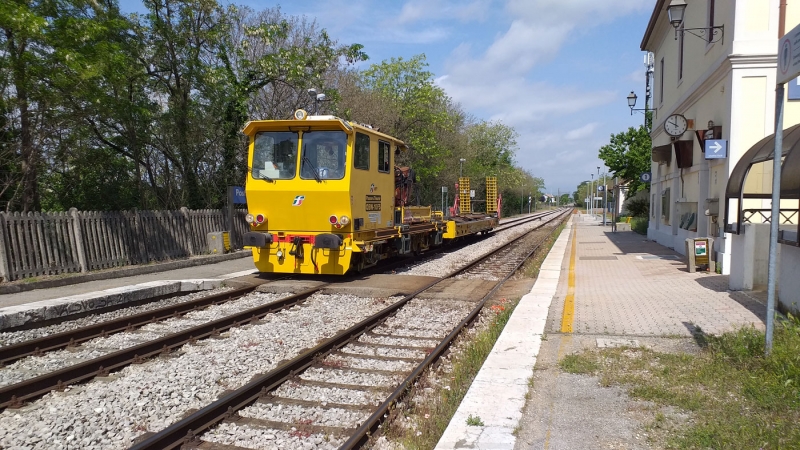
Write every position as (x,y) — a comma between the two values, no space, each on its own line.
(265,50)
(564,200)
(422,110)
(628,156)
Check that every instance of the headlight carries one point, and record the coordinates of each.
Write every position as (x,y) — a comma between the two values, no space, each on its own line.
(300,114)
(249,218)
(344,220)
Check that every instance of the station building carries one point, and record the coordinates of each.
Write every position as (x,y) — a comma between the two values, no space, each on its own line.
(714,78)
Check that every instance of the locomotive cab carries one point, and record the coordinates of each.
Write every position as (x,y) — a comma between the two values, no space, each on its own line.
(321,195)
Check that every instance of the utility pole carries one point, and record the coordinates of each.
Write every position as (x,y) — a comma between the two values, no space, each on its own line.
(605,196)
(772,266)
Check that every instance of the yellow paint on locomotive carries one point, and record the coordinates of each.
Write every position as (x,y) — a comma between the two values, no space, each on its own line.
(318,183)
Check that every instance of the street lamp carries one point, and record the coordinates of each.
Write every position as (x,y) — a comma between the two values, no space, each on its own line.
(632,102)
(591,196)
(461,167)
(676,12)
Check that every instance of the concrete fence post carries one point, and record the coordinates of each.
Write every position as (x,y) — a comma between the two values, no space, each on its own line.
(187,230)
(76,228)
(4,262)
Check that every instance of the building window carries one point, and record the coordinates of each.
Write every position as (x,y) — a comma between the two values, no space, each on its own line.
(661,81)
(665,206)
(680,52)
(710,20)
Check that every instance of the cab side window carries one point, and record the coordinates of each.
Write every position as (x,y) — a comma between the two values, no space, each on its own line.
(361,157)
(384,155)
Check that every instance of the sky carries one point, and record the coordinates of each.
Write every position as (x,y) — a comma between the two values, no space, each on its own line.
(557,71)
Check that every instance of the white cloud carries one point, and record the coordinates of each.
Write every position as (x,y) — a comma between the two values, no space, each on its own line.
(501,81)
(440,10)
(580,133)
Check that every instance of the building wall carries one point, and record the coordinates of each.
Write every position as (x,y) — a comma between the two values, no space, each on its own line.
(732,83)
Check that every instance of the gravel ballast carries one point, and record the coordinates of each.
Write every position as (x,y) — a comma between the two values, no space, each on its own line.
(15,337)
(110,413)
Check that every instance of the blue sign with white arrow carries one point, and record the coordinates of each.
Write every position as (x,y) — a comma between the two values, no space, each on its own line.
(716,148)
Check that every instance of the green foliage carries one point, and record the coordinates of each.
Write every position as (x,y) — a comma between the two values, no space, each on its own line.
(408,87)
(578,364)
(146,110)
(738,397)
(166,93)
(638,206)
(97,179)
(474,421)
(628,156)
(639,225)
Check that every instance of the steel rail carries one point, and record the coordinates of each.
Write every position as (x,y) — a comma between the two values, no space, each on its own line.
(524,220)
(369,426)
(11,353)
(187,429)
(13,395)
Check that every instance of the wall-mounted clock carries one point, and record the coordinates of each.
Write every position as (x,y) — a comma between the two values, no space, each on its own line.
(675,125)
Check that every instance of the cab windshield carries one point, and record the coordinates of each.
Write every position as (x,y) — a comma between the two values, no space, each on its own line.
(324,155)
(275,155)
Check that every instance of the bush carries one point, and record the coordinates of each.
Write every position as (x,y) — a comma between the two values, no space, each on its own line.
(638,205)
(639,225)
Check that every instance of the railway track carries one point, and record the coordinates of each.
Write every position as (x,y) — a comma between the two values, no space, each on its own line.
(354,378)
(14,395)
(444,254)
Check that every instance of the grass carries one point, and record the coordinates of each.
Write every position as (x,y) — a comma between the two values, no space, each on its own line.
(474,421)
(736,397)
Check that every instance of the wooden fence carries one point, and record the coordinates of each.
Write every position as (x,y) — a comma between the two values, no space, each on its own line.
(35,244)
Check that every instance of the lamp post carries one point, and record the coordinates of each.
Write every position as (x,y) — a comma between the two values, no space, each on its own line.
(588,188)
(598,187)
(605,197)
(461,167)
(591,196)
(522,199)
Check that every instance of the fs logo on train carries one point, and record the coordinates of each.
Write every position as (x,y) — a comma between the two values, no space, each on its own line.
(298,200)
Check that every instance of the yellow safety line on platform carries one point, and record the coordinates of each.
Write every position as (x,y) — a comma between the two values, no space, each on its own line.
(569,302)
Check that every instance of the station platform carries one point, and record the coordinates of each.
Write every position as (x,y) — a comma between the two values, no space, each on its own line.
(596,288)
(20,308)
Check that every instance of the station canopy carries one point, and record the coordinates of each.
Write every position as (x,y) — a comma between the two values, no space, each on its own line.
(761,152)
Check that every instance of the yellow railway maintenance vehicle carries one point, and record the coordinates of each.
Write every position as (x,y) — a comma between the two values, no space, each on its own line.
(324,197)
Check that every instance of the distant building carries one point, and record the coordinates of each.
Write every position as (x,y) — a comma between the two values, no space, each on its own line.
(728,79)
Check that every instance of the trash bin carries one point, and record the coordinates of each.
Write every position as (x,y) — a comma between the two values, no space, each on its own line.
(700,253)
